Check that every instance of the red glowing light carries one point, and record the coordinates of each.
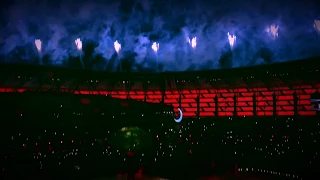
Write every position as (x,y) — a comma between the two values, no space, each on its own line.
(244,100)
(130,154)
(85,101)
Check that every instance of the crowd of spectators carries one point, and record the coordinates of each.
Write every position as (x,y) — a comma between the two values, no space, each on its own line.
(58,140)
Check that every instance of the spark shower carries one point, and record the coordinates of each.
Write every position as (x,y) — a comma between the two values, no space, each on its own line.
(146,35)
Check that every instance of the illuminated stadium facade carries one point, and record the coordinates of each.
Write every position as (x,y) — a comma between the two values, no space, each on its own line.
(273,90)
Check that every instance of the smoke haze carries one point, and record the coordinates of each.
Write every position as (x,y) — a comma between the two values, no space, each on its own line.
(136,24)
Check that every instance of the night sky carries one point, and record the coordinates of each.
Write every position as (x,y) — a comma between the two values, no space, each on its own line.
(137,24)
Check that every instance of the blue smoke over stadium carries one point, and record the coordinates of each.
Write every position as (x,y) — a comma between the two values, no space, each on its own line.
(136,24)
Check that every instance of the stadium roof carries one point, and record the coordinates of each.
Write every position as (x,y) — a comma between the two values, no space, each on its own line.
(293,73)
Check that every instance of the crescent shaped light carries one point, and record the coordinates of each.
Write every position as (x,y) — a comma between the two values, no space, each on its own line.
(180,117)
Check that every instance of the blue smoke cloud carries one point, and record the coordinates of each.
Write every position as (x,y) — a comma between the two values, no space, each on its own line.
(137,24)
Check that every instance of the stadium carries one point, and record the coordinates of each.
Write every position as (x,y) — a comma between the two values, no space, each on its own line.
(142,89)
(253,91)
(238,121)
